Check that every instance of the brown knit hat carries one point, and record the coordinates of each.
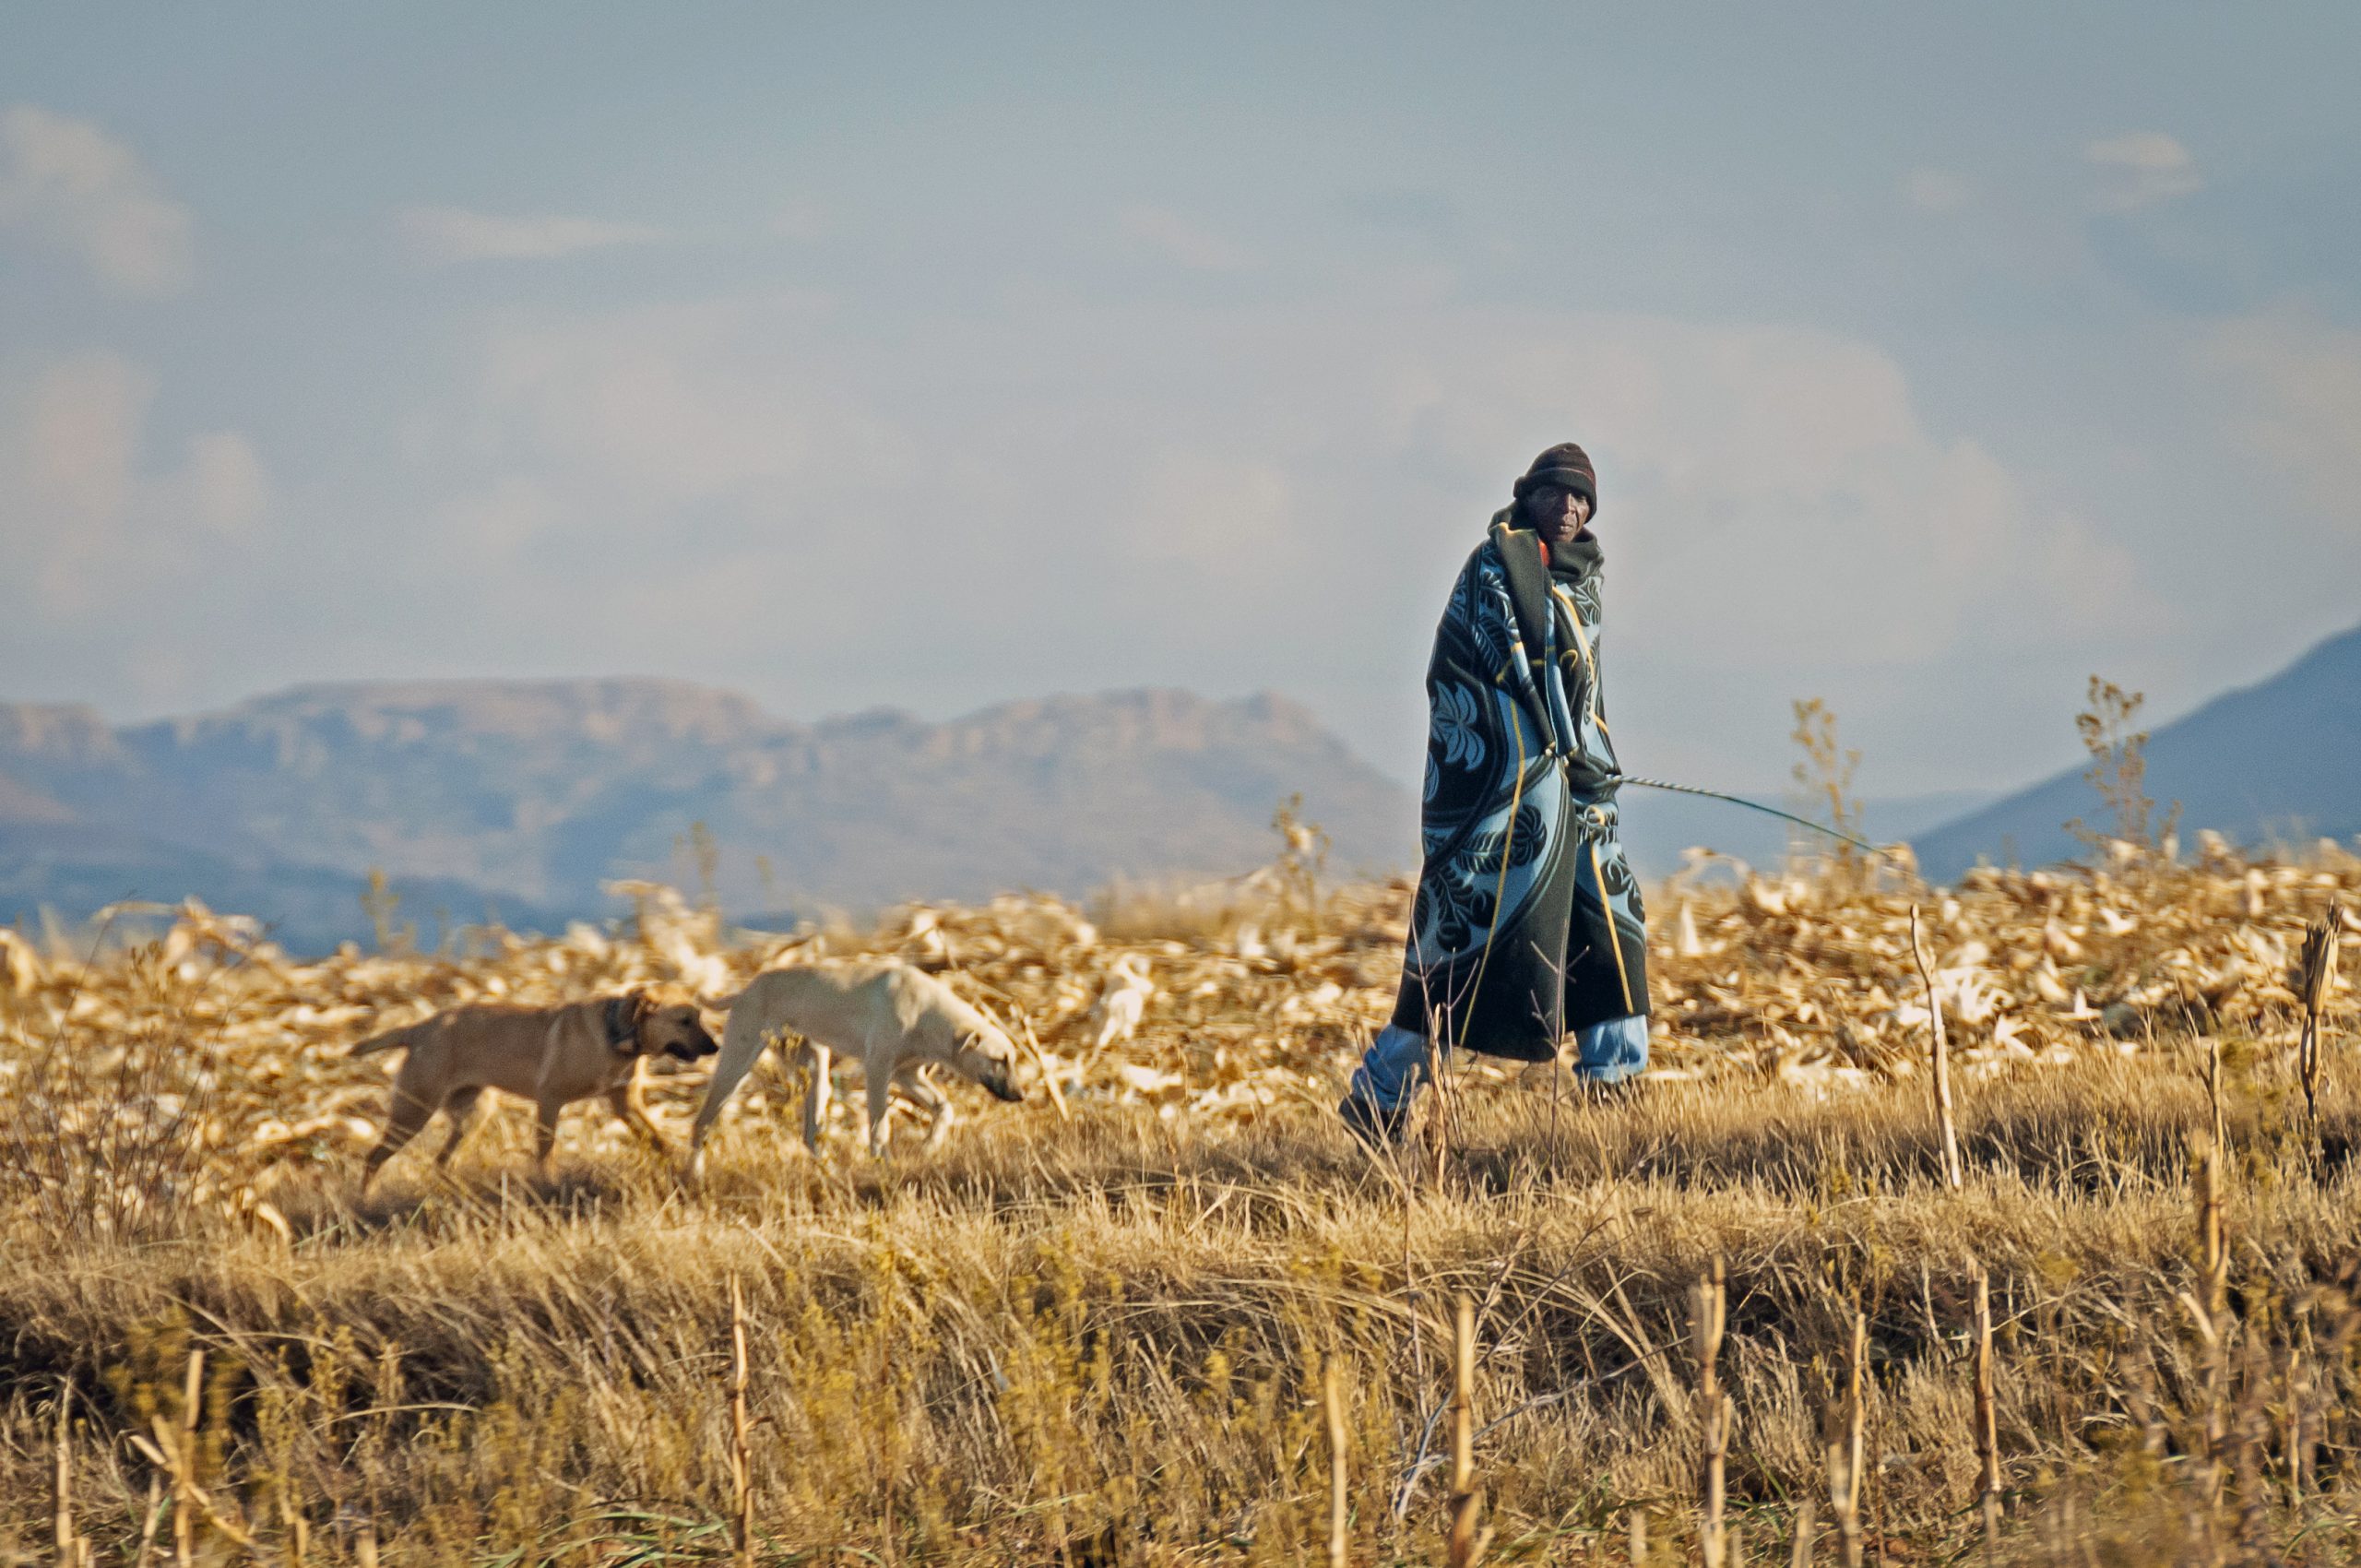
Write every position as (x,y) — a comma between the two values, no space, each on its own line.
(1565,466)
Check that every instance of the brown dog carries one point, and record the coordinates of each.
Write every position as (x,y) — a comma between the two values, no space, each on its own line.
(552,1057)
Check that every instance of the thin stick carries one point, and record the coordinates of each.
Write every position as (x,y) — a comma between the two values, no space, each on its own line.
(1439,1118)
(176,1451)
(2212,1244)
(1709,1316)
(299,1530)
(1845,1457)
(2307,1072)
(1953,1175)
(1049,1078)
(2317,975)
(2213,1091)
(1800,1555)
(365,1549)
(63,1492)
(1333,1399)
(184,1471)
(741,1478)
(1465,1501)
(2299,1410)
(154,1516)
(1988,1426)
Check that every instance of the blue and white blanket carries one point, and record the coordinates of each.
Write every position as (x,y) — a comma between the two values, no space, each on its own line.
(1528,923)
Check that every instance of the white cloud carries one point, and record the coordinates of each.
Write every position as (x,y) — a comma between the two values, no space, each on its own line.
(92,517)
(440,235)
(68,184)
(1181,240)
(226,487)
(678,405)
(2293,386)
(1764,488)
(1774,488)
(2141,169)
(1938,190)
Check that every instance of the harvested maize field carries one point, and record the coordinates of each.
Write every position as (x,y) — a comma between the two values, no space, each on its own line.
(1166,1310)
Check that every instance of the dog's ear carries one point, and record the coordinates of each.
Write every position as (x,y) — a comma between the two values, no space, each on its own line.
(624,1018)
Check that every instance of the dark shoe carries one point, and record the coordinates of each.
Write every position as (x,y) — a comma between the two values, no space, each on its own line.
(1380,1131)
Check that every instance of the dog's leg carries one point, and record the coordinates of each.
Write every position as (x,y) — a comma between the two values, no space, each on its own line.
(405,1118)
(741,1046)
(630,1105)
(458,1108)
(931,1100)
(880,1103)
(545,1137)
(818,1060)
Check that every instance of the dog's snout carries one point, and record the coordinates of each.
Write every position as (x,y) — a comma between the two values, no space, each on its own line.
(1001,1086)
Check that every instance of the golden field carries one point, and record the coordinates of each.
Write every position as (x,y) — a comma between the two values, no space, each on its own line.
(1092,1329)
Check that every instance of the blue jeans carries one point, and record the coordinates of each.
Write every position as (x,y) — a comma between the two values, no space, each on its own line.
(1396,1063)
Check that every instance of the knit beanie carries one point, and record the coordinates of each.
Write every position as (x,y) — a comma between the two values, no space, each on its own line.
(1567,467)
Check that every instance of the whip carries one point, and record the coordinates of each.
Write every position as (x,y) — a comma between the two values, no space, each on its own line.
(1767,810)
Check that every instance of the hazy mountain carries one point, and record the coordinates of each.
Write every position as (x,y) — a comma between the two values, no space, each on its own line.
(526,795)
(2275,762)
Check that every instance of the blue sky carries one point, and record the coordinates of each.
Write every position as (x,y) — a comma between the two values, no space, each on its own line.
(1931,360)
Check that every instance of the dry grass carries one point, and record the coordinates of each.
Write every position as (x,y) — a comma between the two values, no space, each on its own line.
(1101,1341)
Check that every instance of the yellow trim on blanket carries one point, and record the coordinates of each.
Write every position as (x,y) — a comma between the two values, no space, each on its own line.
(1581,642)
(1614,937)
(1508,845)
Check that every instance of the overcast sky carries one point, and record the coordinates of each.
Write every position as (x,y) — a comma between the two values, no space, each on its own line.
(932,357)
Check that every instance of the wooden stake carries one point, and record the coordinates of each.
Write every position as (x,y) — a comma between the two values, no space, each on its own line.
(2212,1241)
(1333,1399)
(2299,1452)
(2315,976)
(298,1531)
(2216,1429)
(1988,1426)
(154,1516)
(1799,1556)
(2213,1091)
(183,1513)
(1465,1501)
(741,1471)
(1844,1455)
(63,1492)
(1952,1174)
(1709,1315)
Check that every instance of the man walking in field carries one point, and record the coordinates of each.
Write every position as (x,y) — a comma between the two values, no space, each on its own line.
(1527,925)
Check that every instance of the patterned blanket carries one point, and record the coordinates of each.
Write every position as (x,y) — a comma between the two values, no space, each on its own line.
(1528,923)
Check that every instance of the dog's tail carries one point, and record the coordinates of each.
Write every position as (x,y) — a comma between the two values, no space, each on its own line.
(392,1039)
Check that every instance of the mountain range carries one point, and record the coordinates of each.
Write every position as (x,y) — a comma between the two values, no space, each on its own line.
(2274,763)
(519,798)
(516,800)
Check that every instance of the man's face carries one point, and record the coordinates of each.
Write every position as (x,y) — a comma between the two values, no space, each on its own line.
(1558,515)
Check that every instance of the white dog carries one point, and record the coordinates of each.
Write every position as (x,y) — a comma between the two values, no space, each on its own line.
(895,1018)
